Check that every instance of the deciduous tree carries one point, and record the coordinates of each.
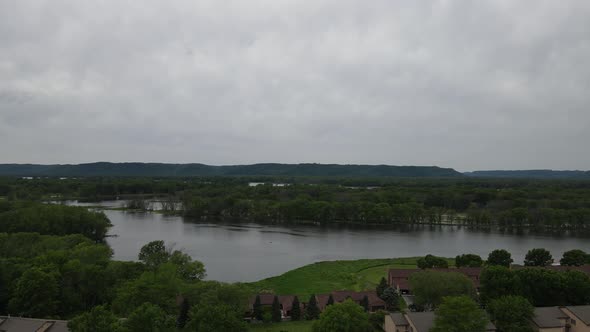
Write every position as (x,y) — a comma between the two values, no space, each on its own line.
(99,319)
(459,314)
(468,260)
(499,257)
(574,257)
(343,317)
(511,314)
(430,287)
(538,257)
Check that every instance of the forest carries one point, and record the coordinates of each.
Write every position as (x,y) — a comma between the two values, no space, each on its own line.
(66,271)
(514,203)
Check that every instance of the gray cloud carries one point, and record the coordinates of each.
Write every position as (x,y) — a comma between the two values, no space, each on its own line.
(464,84)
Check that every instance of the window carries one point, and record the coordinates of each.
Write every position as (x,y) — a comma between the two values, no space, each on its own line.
(573,322)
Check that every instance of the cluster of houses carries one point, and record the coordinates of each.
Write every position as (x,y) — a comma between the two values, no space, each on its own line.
(547,319)
(322,300)
(400,278)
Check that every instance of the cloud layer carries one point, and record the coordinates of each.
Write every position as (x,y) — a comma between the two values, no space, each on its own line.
(463,84)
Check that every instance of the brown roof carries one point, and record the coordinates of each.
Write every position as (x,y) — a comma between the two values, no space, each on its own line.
(399,277)
(424,321)
(322,300)
(582,312)
(399,319)
(374,300)
(286,301)
(18,324)
(547,317)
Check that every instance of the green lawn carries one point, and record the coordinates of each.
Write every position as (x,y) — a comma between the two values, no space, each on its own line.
(324,277)
(302,326)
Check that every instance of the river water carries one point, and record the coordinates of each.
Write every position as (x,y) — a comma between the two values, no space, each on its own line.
(249,252)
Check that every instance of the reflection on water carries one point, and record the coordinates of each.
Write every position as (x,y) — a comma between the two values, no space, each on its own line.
(249,252)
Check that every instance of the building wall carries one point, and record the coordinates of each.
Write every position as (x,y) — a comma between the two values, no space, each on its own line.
(553,329)
(389,325)
(580,326)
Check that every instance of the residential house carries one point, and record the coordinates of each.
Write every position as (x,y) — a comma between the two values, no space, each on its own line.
(549,319)
(375,303)
(415,322)
(266,300)
(400,278)
(286,301)
(562,319)
(20,324)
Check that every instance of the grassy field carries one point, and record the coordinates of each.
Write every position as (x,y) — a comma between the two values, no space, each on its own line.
(302,326)
(324,277)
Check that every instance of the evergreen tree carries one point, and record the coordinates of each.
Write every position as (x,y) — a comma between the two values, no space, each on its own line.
(183,316)
(276,310)
(381,287)
(365,303)
(296,309)
(257,312)
(312,311)
(391,298)
(330,300)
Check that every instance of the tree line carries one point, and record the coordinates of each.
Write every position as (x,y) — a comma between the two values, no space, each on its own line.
(546,204)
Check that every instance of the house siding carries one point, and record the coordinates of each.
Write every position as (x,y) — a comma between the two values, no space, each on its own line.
(580,325)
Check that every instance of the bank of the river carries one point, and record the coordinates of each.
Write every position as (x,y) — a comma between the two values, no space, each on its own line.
(325,277)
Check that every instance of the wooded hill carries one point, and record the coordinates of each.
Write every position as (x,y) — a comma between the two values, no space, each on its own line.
(532,174)
(271,169)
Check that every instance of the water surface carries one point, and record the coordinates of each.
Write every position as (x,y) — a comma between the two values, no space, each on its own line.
(248,252)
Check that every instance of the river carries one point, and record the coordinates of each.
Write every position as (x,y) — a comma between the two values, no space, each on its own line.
(249,252)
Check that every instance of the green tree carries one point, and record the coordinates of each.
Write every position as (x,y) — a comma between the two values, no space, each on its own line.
(257,309)
(542,287)
(365,303)
(538,257)
(429,287)
(391,298)
(343,317)
(158,287)
(497,281)
(296,309)
(576,287)
(312,311)
(217,317)
(148,318)
(330,300)
(99,319)
(459,314)
(499,257)
(468,260)
(381,287)
(431,261)
(574,257)
(511,314)
(154,254)
(35,294)
(276,310)
(187,268)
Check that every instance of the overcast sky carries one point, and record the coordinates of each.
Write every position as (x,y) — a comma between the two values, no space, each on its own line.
(465,84)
